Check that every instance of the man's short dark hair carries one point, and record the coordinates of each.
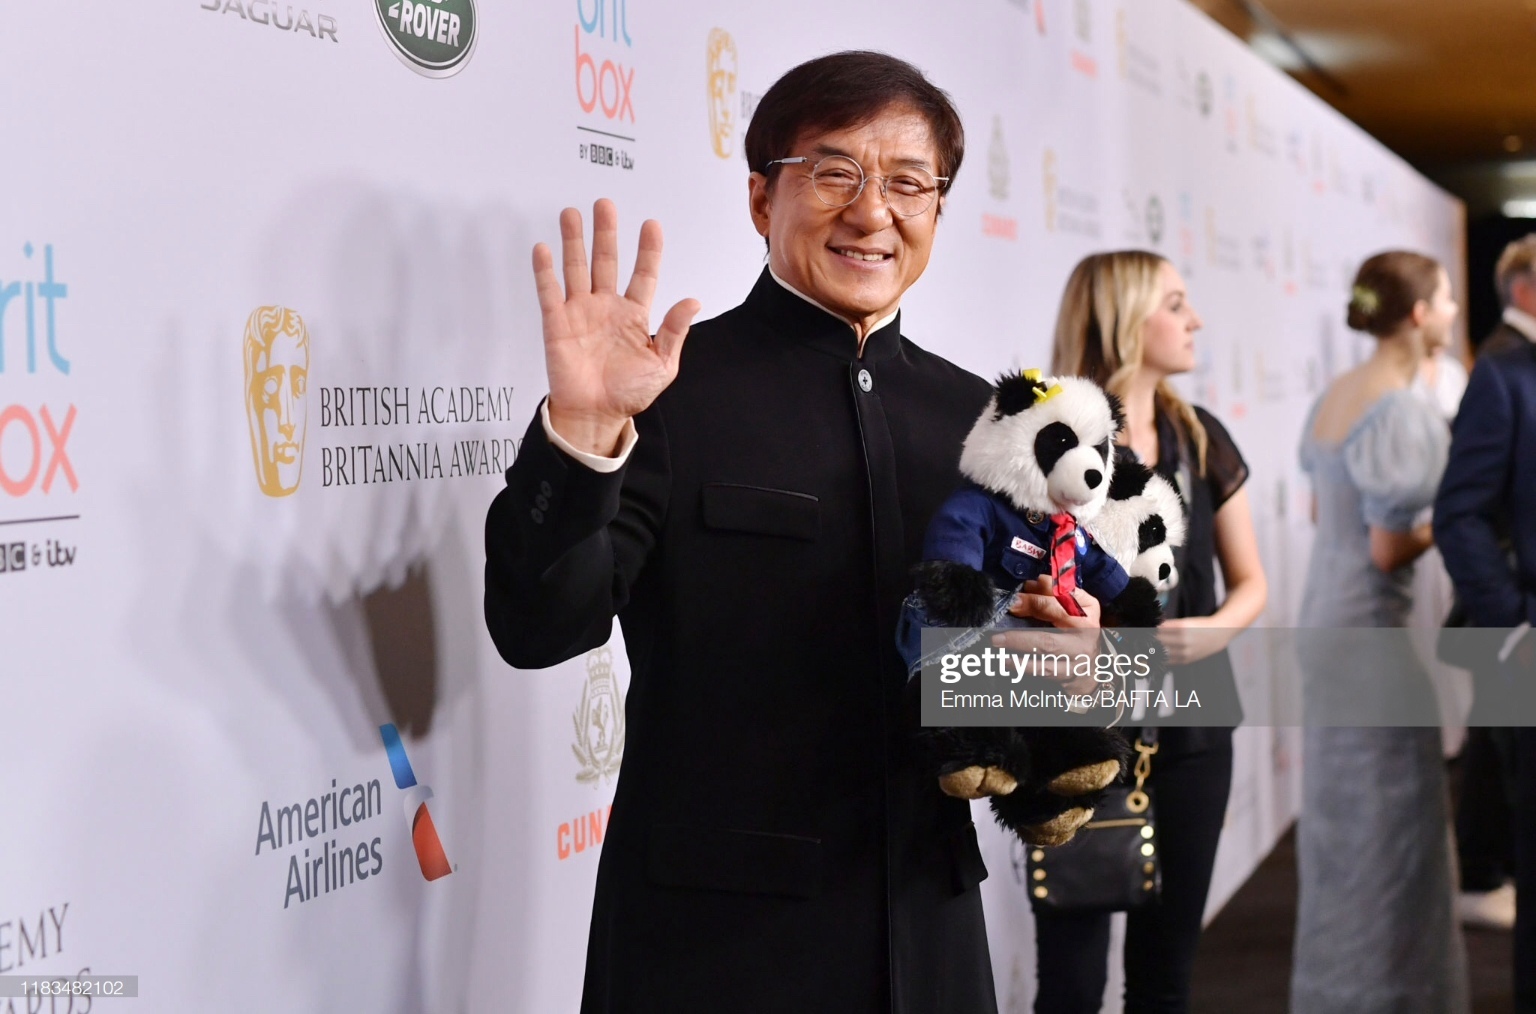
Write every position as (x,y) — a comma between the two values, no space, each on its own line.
(845,90)
(1518,260)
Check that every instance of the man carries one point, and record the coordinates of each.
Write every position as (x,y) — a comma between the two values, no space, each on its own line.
(1483,816)
(1490,482)
(1515,278)
(749,510)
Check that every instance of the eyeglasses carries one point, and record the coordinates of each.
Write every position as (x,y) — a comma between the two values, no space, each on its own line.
(838,181)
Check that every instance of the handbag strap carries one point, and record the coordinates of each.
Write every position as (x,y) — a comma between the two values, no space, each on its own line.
(1145,745)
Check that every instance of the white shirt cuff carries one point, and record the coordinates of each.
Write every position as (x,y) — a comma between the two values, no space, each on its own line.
(596,462)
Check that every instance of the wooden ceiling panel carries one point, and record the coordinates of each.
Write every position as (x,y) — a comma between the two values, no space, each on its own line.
(1440,81)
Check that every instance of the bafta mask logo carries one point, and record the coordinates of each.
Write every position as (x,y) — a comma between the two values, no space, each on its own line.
(1156,220)
(277,396)
(997,162)
(720,68)
(1049,177)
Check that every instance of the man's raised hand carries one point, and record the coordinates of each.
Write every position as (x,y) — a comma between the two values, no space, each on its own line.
(603,365)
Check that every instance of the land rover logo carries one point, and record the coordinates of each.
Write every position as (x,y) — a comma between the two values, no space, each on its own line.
(433,37)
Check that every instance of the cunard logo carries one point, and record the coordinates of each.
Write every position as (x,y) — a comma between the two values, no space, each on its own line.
(433,37)
(599,721)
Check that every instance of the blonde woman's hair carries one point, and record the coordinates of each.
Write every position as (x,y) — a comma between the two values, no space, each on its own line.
(1108,299)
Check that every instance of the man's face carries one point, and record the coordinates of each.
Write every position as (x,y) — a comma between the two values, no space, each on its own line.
(279,386)
(1522,293)
(856,260)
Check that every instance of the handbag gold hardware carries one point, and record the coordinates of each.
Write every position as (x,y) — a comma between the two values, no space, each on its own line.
(1137,799)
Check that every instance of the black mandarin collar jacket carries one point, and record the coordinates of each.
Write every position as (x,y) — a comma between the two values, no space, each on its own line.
(772,847)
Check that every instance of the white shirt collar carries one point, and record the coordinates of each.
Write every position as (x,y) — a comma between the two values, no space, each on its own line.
(878,324)
(1521,321)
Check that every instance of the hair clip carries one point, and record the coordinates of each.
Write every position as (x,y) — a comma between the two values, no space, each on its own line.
(1042,393)
(1364,299)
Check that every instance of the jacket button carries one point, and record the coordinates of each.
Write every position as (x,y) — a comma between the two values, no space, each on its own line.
(866,382)
(541,502)
(537,515)
(545,489)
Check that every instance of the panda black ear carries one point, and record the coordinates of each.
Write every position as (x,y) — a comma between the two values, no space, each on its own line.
(1130,478)
(1016,393)
(1116,411)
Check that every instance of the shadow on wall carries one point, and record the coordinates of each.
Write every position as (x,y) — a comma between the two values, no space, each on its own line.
(301,613)
(404,642)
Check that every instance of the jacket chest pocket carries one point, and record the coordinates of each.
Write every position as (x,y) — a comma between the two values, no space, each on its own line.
(1024,564)
(759,510)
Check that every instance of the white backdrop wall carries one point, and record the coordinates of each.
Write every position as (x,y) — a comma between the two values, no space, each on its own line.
(184,653)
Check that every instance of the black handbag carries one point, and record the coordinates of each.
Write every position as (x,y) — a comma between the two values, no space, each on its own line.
(1112,864)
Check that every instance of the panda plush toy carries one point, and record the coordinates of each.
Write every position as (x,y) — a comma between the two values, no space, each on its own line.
(1141,524)
(1039,466)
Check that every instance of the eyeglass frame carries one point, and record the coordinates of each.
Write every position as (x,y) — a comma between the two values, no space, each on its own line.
(864,179)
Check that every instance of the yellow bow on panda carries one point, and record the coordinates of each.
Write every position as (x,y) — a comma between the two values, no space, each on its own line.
(1042,394)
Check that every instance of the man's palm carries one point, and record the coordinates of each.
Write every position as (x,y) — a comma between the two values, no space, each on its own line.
(603,365)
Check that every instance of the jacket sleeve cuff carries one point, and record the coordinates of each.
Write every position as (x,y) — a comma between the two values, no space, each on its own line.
(596,462)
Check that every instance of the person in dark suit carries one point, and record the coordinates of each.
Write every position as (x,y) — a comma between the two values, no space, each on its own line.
(1491,481)
(1484,815)
(749,507)
(1515,278)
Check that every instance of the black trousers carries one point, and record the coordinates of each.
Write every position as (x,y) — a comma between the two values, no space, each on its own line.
(1485,845)
(1525,870)
(1191,777)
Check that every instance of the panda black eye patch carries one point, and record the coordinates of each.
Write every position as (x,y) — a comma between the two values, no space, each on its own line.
(1051,443)
(1150,533)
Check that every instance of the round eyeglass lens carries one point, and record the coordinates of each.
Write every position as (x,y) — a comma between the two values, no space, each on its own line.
(838,180)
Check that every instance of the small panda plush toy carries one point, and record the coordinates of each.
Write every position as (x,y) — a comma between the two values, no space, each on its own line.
(1141,524)
(1039,466)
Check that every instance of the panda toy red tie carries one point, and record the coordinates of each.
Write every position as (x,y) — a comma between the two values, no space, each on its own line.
(1064,561)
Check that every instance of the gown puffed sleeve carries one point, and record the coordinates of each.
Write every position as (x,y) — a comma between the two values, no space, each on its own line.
(1395,458)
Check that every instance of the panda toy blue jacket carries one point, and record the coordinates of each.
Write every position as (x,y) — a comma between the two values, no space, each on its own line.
(983,531)
(1039,465)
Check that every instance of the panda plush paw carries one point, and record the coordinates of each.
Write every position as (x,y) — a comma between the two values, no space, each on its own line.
(1059,830)
(1072,766)
(1085,780)
(954,594)
(977,782)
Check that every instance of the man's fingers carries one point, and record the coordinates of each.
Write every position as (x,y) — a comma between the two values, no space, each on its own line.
(573,253)
(674,328)
(545,281)
(605,246)
(642,285)
(1048,609)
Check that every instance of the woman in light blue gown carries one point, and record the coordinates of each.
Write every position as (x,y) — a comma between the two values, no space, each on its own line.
(1375,932)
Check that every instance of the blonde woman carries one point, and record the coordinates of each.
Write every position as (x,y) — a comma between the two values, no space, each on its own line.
(1126,322)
